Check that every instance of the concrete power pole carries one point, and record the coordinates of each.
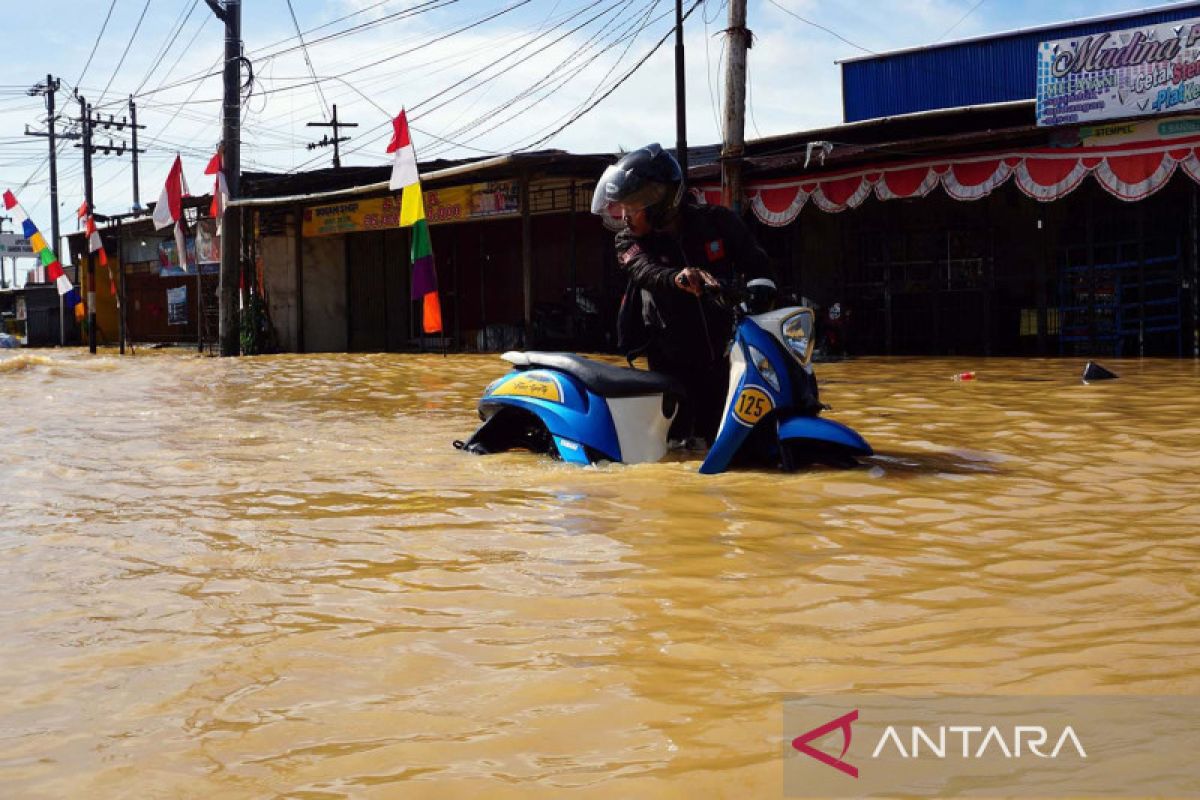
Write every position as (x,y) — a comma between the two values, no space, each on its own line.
(231,222)
(85,116)
(49,88)
(137,200)
(734,145)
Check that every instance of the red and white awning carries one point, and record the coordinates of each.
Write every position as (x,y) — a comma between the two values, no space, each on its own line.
(1129,172)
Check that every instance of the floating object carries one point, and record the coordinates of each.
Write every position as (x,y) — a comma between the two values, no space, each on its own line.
(964,376)
(1094,372)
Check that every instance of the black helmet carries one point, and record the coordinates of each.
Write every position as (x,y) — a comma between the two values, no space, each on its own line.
(648,178)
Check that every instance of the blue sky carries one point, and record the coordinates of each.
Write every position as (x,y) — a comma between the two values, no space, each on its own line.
(794,83)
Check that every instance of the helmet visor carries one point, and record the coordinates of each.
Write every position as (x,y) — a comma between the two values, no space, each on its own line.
(620,194)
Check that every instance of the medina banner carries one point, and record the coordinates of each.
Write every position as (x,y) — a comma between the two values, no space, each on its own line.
(1129,73)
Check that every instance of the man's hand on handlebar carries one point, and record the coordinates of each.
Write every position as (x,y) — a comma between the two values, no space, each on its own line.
(694,281)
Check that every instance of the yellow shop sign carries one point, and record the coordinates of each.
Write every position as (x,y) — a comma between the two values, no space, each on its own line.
(455,204)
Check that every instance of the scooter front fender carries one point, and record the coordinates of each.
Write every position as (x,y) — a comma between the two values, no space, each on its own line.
(826,431)
(729,440)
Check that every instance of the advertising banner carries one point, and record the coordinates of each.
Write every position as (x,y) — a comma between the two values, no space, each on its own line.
(455,204)
(1130,73)
(177,306)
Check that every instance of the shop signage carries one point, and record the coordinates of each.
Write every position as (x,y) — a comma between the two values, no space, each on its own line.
(1146,130)
(1130,73)
(455,204)
(14,245)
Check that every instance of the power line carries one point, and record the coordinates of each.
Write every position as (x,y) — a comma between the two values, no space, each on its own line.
(166,47)
(96,44)
(440,93)
(409,50)
(545,82)
(819,26)
(422,8)
(961,20)
(553,85)
(308,61)
(614,87)
(128,47)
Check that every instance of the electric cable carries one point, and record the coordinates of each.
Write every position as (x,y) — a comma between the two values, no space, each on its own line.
(124,55)
(614,87)
(96,44)
(307,59)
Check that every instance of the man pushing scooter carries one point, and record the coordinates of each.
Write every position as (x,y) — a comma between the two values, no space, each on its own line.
(671,247)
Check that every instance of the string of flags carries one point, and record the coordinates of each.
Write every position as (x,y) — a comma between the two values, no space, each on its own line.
(45,254)
(96,247)
(169,209)
(412,214)
(216,167)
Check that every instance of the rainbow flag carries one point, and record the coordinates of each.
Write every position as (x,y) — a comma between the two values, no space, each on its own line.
(44,252)
(412,213)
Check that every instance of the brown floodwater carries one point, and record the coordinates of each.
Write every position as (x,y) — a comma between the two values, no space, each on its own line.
(274,576)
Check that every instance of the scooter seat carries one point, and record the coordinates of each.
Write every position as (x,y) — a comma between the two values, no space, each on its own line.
(606,380)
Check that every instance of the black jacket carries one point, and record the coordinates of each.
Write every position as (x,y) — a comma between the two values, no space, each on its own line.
(663,317)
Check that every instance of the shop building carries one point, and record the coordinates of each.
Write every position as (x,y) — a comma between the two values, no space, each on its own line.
(1033,192)
(166,302)
(518,257)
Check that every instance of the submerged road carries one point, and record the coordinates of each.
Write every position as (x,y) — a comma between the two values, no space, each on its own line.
(275,576)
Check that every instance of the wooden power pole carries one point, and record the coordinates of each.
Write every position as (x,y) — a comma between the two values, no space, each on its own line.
(734,145)
(337,138)
(681,154)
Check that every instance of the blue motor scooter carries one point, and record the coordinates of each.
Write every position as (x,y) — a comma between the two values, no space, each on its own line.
(584,411)
(773,405)
(577,409)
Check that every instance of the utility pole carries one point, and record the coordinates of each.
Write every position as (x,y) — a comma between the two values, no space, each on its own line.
(85,116)
(231,221)
(734,145)
(336,140)
(89,122)
(681,153)
(49,89)
(137,201)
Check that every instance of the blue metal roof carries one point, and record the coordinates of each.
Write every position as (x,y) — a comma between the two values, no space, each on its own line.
(972,72)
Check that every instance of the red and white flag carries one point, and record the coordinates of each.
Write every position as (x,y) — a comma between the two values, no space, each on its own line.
(95,245)
(169,209)
(216,166)
(404,169)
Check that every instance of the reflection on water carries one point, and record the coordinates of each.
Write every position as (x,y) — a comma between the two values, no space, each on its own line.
(274,575)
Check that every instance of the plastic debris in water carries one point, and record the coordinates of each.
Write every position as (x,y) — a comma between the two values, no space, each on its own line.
(964,376)
(1094,372)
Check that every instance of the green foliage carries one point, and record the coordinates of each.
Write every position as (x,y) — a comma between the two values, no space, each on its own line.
(256,333)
